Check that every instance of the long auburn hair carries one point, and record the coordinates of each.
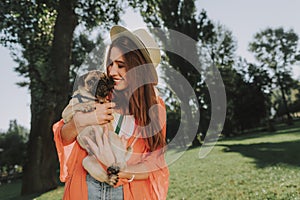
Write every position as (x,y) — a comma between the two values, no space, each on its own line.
(140,95)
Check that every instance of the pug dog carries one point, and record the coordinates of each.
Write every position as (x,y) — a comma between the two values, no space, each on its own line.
(92,87)
(96,87)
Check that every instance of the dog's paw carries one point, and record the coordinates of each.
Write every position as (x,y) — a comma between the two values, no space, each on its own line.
(113,169)
(113,174)
(113,179)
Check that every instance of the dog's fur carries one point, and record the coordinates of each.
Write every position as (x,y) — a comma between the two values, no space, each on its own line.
(93,87)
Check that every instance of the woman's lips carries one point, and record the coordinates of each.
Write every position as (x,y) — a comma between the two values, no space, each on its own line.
(117,81)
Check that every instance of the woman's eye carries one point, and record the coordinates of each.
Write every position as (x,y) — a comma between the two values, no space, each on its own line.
(109,63)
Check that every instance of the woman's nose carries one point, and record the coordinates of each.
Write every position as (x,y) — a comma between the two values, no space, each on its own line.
(113,69)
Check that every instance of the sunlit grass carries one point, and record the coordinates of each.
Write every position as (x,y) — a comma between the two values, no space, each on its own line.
(55,194)
(260,166)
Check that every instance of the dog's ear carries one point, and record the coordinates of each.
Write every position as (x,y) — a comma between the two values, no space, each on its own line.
(92,80)
(80,81)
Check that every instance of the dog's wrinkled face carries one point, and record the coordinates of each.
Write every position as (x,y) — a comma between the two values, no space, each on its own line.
(91,80)
(97,84)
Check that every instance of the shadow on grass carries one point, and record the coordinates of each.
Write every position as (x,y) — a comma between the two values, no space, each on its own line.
(12,191)
(280,129)
(266,154)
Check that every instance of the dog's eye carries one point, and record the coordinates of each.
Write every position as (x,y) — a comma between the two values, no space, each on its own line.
(91,82)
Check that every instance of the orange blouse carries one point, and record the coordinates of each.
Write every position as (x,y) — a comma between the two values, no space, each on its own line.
(74,175)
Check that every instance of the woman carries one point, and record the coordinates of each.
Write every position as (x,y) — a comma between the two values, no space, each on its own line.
(140,121)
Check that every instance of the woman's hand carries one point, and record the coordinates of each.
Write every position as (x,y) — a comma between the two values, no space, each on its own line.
(101,115)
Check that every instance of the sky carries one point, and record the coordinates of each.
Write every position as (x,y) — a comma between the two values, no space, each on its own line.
(243,17)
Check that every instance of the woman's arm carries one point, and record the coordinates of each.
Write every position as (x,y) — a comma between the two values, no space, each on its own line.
(134,172)
(101,115)
(69,132)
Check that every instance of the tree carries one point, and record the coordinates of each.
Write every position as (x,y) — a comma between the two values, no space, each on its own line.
(13,145)
(40,36)
(295,106)
(277,49)
(219,50)
(291,98)
(252,98)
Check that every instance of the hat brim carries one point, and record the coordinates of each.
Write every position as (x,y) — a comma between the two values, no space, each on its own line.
(148,47)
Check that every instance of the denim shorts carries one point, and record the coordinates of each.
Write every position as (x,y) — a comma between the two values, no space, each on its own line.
(102,191)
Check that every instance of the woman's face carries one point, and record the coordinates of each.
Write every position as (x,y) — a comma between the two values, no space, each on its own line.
(117,68)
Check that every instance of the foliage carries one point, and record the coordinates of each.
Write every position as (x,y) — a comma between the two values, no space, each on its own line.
(277,49)
(13,145)
(218,51)
(293,100)
(249,112)
(241,80)
(253,81)
(87,54)
(27,27)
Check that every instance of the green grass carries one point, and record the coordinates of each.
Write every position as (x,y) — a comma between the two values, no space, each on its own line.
(253,166)
(259,166)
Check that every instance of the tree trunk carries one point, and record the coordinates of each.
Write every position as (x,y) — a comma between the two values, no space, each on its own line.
(289,117)
(40,171)
(287,112)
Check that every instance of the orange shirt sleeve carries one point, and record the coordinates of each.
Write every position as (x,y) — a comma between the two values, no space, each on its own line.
(71,170)
(60,150)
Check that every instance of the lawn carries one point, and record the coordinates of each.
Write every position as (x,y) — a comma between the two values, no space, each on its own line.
(254,166)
